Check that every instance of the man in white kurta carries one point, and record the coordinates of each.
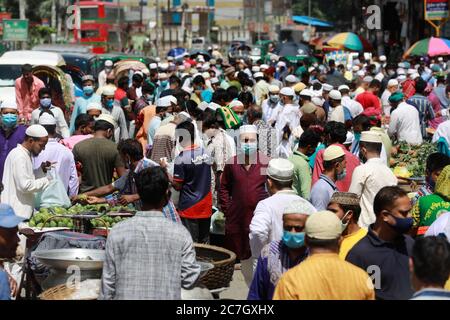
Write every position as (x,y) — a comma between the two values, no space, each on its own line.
(370,177)
(19,179)
(405,122)
(336,112)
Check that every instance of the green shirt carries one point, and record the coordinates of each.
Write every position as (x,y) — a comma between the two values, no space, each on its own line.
(302,174)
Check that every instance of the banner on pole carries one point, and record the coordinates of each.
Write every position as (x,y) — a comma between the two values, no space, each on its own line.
(436,9)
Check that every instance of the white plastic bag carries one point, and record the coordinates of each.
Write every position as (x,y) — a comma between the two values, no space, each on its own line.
(55,195)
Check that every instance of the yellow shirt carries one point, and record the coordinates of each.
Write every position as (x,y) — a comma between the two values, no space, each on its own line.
(349,241)
(324,276)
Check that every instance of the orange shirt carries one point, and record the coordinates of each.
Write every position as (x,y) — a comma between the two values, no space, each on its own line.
(145,116)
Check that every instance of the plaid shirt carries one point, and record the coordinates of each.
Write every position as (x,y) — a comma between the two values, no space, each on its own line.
(148,257)
(425,108)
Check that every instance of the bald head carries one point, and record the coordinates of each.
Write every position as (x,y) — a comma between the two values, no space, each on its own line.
(254,113)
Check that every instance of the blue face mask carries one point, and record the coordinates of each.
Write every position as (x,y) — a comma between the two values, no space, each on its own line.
(150,98)
(357,136)
(46,102)
(164,83)
(249,148)
(88,90)
(9,120)
(109,103)
(293,240)
(402,225)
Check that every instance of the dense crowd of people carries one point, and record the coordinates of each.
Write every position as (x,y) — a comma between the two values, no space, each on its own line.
(296,155)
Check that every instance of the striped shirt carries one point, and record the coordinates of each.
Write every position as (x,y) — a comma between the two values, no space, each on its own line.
(425,108)
(324,276)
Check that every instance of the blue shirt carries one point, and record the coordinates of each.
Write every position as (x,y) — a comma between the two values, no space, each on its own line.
(431,294)
(207,95)
(9,143)
(322,191)
(80,107)
(5,291)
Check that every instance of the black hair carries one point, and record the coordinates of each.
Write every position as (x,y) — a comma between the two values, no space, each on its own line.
(137,78)
(50,128)
(220,95)
(362,120)
(152,185)
(83,120)
(246,98)
(320,243)
(198,80)
(337,132)
(160,109)
(437,161)
(375,84)
(307,120)
(421,85)
(27,68)
(356,209)
(183,128)
(131,147)
(309,138)
(328,165)
(431,260)
(192,108)
(209,120)
(102,125)
(233,93)
(147,88)
(279,185)
(43,91)
(123,82)
(317,86)
(255,112)
(386,197)
(175,79)
(371,146)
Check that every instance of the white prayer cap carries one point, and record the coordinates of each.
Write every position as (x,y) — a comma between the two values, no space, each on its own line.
(264,67)
(317,101)
(172,99)
(169,58)
(258,75)
(306,93)
(193,71)
(311,69)
(368,79)
(108,91)
(343,87)
(415,76)
(401,78)
(206,75)
(214,106)
(401,71)
(94,106)
(236,74)
(181,67)
(287,91)
(392,83)
(379,77)
(280,169)
(291,78)
(46,119)
(162,75)
(360,73)
(203,105)
(349,139)
(187,89)
(157,59)
(356,68)
(164,66)
(36,131)
(214,80)
(299,207)
(411,71)
(235,103)
(274,89)
(281,64)
(440,59)
(9,104)
(323,225)
(108,118)
(248,129)
(383,59)
(140,73)
(87,77)
(335,95)
(163,102)
(333,152)
(205,67)
(255,69)
(327,87)
(153,66)
(401,65)
(212,61)
(371,136)
(108,63)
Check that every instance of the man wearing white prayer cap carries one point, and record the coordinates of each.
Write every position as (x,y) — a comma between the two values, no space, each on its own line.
(19,180)
(267,222)
(336,111)
(270,106)
(261,88)
(371,176)
(162,105)
(291,80)
(215,83)
(287,118)
(291,251)
(94,109)
(263,67)
(112,107)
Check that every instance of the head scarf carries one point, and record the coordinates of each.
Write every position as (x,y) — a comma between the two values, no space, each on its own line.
(443,183)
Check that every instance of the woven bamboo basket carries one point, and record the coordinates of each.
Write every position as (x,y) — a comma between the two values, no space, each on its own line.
(61,292)
(222,259)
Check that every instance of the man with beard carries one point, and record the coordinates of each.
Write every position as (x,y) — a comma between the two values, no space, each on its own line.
(19,179)
(27,89)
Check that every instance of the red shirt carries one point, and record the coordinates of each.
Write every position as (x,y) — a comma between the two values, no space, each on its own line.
(369,100)
(352,163)
(409,88)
